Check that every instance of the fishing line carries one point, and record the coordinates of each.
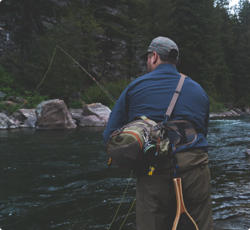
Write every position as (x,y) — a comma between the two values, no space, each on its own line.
(39,83)
(111,98)
(102,88)
(121,201)
(114,100)
(127,214)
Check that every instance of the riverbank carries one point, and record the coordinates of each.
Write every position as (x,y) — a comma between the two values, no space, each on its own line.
(231,112)
(54,114)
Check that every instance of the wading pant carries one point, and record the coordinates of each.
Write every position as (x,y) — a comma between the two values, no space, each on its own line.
(155,195)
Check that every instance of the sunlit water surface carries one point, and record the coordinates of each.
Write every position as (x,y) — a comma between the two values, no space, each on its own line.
(59,179)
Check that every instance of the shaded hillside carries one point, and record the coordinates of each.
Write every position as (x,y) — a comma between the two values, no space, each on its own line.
(106,36)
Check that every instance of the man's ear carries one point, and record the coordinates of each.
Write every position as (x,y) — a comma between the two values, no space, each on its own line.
(155,57)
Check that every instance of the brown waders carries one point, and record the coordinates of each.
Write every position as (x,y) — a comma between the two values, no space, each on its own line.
(155,195)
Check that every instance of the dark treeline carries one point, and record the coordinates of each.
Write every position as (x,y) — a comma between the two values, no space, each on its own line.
(106,36)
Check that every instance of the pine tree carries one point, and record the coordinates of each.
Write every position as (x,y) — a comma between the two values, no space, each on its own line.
(156,20)
(118,43)
(242,78)
(77,34)
(197,33)
(27,19)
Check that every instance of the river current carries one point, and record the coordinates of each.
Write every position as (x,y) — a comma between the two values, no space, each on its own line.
(58,179)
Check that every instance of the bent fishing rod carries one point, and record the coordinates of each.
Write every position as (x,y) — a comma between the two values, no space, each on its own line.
(177,181)
(102,88)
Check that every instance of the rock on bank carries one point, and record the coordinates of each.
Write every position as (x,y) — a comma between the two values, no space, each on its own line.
(53,114)
(6,122)
(94,114)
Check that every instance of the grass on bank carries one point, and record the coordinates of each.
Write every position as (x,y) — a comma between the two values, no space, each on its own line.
(95,94)
(215,106)
(9,108)
(27,101)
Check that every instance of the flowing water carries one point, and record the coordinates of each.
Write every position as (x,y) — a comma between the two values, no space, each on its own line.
(59,179)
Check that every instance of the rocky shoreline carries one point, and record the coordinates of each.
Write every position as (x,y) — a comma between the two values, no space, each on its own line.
(54,114)
(231,112)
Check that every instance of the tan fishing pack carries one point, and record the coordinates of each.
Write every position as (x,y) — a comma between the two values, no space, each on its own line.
(144,137)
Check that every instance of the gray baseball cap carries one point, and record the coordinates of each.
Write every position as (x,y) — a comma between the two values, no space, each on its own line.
(161,45)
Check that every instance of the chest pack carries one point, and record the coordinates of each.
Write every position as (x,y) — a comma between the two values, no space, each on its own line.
(143,137)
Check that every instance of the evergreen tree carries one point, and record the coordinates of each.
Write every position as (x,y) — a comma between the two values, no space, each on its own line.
(76,34)
(118,43)
(28,18)
(197,33)
(105,36)
(243,54)
(229,27)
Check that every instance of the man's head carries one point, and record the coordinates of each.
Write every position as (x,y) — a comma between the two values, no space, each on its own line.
(161,50)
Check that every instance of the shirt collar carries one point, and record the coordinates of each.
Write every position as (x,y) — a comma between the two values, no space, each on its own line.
(164,65)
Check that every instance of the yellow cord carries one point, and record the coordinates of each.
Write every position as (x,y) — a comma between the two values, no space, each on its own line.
(102,88)
(40,82)
(127,214)
(109,97)
(121,201)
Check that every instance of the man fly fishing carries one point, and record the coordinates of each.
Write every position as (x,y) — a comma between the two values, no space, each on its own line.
(150,95)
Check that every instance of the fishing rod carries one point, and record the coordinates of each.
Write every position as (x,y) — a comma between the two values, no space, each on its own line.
(177,181)
(102,88)
(111,98)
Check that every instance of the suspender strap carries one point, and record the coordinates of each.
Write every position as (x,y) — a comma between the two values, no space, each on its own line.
(175,96)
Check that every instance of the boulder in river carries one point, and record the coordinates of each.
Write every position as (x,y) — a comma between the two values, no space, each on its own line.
(95,114)
(53,114)
(230,113)
(76,114)
(96,109)
(92,120)
(6,122)
(26,118)
(247,110)
(239,111)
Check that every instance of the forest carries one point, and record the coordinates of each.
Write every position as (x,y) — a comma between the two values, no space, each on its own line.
(107,36)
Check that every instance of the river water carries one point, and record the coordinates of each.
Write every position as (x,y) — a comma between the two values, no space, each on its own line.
(58,179)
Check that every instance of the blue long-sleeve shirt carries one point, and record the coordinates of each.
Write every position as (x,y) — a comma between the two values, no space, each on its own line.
(150,95)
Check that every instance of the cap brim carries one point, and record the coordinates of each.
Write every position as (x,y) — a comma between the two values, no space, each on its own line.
(144,56)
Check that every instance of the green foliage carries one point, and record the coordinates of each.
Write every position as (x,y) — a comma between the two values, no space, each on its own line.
(33,99)
(76,36)
(75,104)
(122,34)
(5,78)
(9,108)
(198,37)
(94,93)
(29,17)
(216,106)
(243,102)
(242,68)
(6,82)
(105,37)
